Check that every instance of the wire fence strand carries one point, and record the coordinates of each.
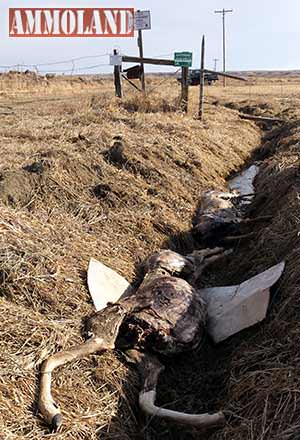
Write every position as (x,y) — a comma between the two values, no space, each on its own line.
(73,68)
(72,61)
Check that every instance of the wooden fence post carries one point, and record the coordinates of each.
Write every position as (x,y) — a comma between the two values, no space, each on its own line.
(117,78)
(141,50)
(201,99)
(184,88)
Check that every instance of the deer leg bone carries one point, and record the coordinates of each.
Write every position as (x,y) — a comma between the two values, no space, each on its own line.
(262,218)
(198,257)
(227,195)
(46,404)
(151,368)
(242,196)
(106,322)
(199,270)
(201,262)
(238,237)
(215,257)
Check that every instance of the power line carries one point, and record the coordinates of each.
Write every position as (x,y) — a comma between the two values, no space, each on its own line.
(224,12)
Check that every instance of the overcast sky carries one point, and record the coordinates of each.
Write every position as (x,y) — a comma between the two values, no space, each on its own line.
(261,34)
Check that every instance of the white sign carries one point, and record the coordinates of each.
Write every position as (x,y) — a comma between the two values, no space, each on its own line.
(115,60)
(105,285)
(142,20)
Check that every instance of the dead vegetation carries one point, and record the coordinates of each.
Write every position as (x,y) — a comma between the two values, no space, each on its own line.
(84,175)
(16,84)
(262,390)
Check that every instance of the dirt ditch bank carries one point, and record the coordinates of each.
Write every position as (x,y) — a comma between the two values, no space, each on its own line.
(261,364)
(102,182)
(117,185)
(254,375)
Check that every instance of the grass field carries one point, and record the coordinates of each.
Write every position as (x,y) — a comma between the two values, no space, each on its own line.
(64,200)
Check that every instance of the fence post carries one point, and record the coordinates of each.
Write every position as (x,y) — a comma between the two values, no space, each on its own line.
(117,78)
(141,50)
(201,100)
(184,88)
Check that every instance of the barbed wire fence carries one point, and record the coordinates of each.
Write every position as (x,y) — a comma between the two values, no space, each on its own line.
(40,68)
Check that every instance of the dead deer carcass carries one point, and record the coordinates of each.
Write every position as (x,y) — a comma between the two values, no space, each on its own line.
(222,214)
(218,214)
(166,315)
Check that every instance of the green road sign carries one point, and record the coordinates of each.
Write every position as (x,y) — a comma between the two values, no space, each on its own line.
(183,59)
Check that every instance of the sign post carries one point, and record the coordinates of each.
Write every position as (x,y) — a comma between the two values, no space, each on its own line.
(141,50)
(201,98)
(184,88)
(116,60)
(142,21)
(184,59)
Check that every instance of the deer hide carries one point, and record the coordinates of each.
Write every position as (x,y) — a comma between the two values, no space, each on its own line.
(230,308)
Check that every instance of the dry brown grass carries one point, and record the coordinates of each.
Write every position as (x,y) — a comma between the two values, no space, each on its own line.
(267,95)
(77,204)
(16,84)
(64,199)
(263,363)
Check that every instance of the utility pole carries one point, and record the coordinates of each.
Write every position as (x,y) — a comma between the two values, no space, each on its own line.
(215,64)
(224,12)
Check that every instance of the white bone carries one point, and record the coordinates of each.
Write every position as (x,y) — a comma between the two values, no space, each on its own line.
(147,404)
